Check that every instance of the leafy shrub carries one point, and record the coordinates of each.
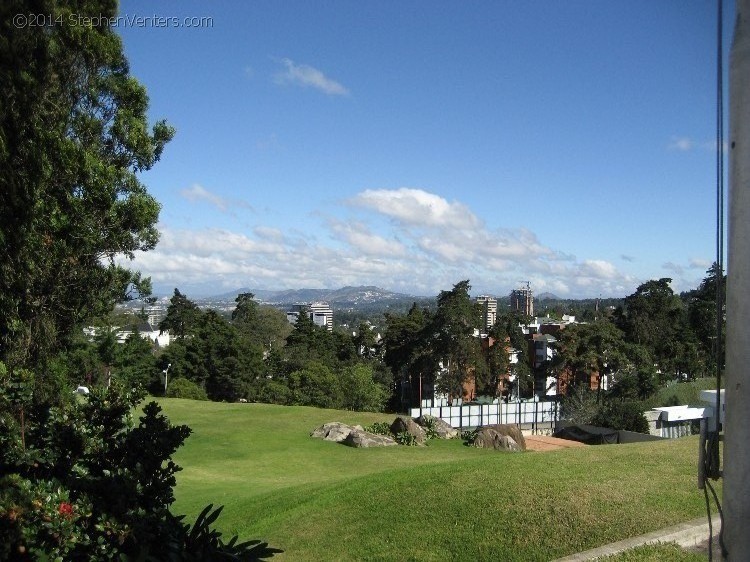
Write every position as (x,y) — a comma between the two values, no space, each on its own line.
(380,428)
(428,424)
(81,481)
(184,388)
(468,436)
(405,438)
(627,415)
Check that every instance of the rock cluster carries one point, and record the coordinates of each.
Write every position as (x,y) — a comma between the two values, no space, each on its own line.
(353,436)
(356,436)
(501,437)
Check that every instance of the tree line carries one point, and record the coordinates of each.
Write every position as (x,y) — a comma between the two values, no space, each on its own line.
(81,478)
(653,337)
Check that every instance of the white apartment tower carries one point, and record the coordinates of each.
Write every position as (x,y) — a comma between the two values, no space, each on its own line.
(320,313)
(489,310)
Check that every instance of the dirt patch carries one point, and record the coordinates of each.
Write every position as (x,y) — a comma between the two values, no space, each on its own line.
(546,443)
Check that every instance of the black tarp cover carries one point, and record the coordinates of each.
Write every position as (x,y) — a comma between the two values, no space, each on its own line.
(593,435)
(589,434)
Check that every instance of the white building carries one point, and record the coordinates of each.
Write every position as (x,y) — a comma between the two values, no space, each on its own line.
(320,313)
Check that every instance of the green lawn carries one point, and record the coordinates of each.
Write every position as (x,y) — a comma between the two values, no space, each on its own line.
(324,501)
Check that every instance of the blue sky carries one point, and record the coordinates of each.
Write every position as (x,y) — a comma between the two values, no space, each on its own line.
(411,145)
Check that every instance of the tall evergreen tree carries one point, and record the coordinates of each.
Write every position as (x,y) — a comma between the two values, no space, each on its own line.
(183,316)
(452,339)
(73,138)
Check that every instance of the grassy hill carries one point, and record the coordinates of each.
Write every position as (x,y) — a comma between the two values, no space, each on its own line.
(323,501)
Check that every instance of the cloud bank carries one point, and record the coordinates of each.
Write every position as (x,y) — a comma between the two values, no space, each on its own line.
(404,239)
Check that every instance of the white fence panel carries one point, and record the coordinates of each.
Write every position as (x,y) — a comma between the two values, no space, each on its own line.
(531,413)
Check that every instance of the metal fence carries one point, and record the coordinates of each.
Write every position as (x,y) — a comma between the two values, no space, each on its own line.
(527,414)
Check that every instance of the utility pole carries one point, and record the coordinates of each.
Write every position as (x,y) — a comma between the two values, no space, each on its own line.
(737,388)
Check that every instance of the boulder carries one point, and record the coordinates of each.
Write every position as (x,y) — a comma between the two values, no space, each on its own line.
(332,431)
(401,424)
(500,437)
(358,439)
(512,431)
(442,427)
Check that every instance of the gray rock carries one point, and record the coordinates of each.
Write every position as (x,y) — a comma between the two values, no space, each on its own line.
(500,437)
(512,431)
(442,427)
(402,424)
(333,431)
(366,439)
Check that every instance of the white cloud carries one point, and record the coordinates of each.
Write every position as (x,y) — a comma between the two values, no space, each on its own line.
(686,144)
(696,263)
(362,240)
(308,76)
(417,207)
(598,269)
(199,193)
(425,245)
(683,144)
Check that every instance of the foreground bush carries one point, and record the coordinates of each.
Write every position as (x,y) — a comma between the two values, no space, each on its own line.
(183,388)
(80,480)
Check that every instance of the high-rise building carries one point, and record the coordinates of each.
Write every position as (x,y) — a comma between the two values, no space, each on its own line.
(489,311)
(320,313)
(156,314)
(522,300)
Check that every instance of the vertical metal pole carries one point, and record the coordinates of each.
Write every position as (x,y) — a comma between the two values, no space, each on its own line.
(737,389)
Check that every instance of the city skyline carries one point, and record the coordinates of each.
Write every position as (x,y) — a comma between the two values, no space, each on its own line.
(412,146)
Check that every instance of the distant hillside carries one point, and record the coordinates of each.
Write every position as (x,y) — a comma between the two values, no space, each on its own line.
(547,297)
(343,296)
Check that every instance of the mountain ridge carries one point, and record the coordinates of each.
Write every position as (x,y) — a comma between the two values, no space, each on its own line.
(347,294)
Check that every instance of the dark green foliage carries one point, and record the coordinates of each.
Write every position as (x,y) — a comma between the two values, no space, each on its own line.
(452,340)
(615,409)
(468,436)
(581,405)
(379,428)
(406,438)
(182,316)
(261,327)
(211,354)
(702,318)
(621,414)
(81,480)
(201,543)
(584,349)
(655,318)
(428,424)
(73,138)
(407,354)
(360,391)
(315,385)
(183,388)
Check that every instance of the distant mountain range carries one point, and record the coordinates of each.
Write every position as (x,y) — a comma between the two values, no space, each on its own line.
(344,296)
(363,294)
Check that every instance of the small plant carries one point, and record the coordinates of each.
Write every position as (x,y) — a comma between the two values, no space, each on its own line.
(406,438)
(469,436)
(428,424)
(379,428)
